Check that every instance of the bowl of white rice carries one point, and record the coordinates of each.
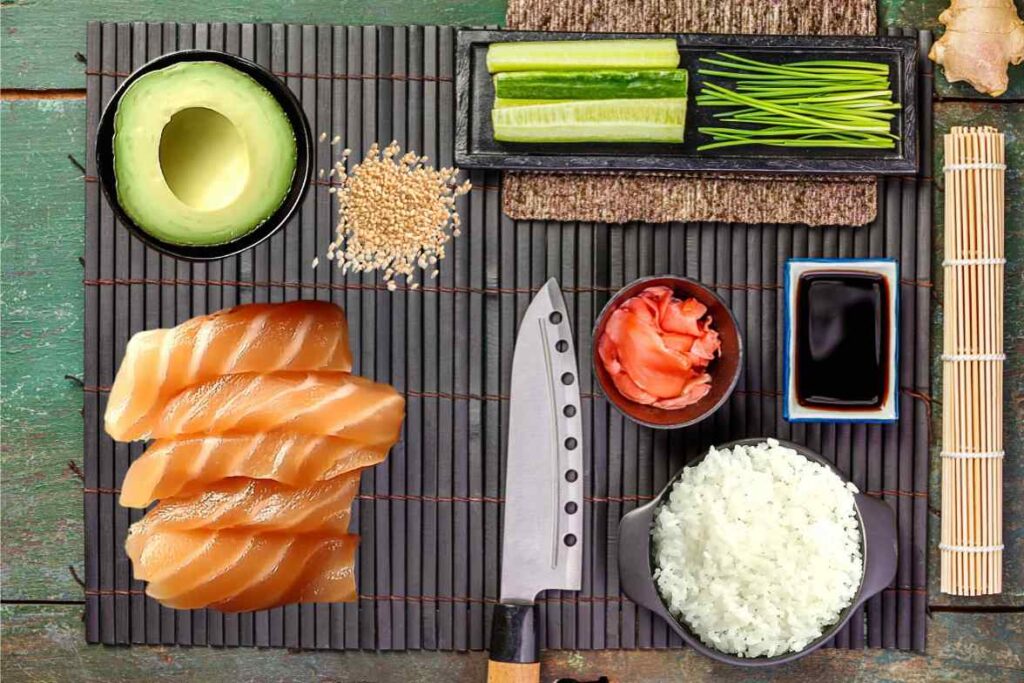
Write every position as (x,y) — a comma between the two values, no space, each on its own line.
(758,552)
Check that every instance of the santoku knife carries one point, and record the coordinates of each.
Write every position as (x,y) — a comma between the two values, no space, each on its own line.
(543,526)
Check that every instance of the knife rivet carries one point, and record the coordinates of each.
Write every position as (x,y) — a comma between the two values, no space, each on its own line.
(571,475)
(569,410)
(568,379)
(571,443)
(571,507)
(570,540)
(555,317)
(562,346)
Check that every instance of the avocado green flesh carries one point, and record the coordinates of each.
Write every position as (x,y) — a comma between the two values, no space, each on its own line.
(203,154)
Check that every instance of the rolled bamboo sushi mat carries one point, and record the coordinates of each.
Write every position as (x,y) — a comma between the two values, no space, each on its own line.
(429,517)
(971,547)
(662,197)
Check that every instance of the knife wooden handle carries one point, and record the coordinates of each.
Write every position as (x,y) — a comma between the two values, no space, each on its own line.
(514,655)
(507,672)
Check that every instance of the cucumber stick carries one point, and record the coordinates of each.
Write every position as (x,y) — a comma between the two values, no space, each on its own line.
(590,85)
(569,55)
(646,120)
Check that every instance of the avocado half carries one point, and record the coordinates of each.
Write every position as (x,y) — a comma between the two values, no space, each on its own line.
(203,154)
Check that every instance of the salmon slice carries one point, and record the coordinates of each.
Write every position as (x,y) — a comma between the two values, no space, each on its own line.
(238,571)
(183,467)
(312,403)
(301,335)
(257,505)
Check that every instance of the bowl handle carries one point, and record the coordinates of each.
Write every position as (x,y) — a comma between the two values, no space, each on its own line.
(879,545)
(634,558)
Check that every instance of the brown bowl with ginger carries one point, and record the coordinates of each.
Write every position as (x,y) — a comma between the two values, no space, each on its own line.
(724,370)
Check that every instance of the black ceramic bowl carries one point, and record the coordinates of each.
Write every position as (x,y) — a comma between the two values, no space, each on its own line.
(303,160)
(636,562)
(724,370)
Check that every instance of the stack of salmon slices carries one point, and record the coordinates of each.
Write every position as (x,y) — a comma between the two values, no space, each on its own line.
(260,432)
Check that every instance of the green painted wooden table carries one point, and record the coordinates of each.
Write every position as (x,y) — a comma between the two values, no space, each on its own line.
(41,199)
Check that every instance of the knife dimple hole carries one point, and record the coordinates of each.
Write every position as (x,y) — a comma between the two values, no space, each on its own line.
(562,346)
(571,475)
(568,379)
(571,444)
(555,317)
(571,507)
(569,411)
(570,540)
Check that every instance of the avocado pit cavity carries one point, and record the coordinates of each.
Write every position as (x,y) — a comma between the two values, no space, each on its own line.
(203,159)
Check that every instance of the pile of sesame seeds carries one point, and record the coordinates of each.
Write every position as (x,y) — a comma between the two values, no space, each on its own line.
(395,214)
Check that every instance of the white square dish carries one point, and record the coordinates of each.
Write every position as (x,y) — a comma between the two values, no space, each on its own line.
(797,410)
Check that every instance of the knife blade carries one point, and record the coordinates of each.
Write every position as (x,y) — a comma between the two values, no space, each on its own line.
(542,533)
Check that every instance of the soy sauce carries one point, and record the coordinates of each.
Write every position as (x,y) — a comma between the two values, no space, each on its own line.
(842,340)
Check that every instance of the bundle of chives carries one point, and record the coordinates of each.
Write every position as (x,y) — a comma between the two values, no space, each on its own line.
(799,104)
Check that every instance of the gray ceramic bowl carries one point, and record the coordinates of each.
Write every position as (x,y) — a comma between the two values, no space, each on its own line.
(636,562)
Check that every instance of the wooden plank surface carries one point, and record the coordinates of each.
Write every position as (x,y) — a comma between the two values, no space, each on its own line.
(42,204)
(41,38)
(43,643)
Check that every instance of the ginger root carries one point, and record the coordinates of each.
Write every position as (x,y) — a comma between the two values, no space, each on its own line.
(982,37)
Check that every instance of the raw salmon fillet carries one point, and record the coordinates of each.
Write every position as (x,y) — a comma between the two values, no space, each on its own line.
(301,335)
(257,505)
(238,570)
(182,467)
(313,403)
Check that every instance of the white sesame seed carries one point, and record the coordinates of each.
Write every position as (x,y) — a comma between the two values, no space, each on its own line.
(394,213)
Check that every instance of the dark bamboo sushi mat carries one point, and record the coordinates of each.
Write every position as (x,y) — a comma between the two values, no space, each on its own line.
(429,517)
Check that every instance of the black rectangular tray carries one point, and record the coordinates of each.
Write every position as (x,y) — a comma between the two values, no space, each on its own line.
(475,146)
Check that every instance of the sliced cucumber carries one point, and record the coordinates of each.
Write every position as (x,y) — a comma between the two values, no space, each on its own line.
(590,85)
(649,120)
(567,55)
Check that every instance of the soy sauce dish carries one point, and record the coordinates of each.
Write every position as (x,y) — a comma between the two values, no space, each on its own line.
(841,344)
(757,553)
(202,154)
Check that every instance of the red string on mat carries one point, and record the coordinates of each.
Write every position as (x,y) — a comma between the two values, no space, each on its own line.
(326,182)
(182,282)
(764,393)
(410,498)
(296,74)
(416,598)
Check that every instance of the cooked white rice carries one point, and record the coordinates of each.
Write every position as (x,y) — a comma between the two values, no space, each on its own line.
(757,549)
